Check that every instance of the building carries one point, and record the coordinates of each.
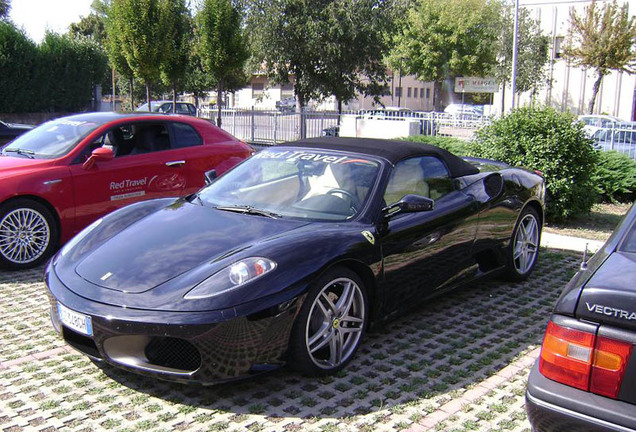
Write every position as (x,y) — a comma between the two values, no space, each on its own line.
(570,87)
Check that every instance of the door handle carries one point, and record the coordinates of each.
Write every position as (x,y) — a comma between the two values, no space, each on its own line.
(176,163)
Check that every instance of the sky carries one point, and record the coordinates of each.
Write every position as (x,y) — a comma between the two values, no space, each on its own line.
(36,16)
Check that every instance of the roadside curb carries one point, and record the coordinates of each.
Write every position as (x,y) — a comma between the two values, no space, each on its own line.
(577,244)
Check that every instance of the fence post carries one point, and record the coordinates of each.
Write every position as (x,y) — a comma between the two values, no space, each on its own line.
(275,128)
(253,125)
(234,122)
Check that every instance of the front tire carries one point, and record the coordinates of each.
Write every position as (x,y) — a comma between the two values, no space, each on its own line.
(28,234)
(330,324)
(523,249)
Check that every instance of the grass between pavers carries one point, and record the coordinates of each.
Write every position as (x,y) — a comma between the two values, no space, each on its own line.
(401,374)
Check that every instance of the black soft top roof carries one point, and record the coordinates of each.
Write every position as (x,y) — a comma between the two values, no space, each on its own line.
(391,150)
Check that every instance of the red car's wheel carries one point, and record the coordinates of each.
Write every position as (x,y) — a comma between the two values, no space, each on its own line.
(28,234)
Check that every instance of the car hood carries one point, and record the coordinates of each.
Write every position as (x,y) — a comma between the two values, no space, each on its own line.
(610,295)
(172,241)
(17,162)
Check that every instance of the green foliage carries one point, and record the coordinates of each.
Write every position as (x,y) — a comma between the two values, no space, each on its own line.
(137,31)
(603,40)
(20,66)
(5,7)
(73,66)
(90,26)
(453,145)
(58,75)
(551,142)
(615,177)
(448,38)
(222,46)
(330,47)
(532,51)
(177,29)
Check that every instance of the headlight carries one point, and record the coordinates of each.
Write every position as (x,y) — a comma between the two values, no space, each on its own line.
(75,240)
(233,276)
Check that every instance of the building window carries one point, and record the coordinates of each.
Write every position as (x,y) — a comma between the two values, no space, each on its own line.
(385,91)
(398,91)
(257,90)
(415,92)
(428,93)
(422,93)
(408,92)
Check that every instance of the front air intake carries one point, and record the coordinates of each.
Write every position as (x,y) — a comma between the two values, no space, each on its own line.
(173,353)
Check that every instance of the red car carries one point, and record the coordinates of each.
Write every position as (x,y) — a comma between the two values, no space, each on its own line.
(59,177)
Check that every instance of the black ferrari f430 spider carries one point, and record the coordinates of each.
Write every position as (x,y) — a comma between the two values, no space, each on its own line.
(289,257)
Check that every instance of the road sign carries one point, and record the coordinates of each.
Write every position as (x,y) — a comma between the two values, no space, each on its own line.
(475,85)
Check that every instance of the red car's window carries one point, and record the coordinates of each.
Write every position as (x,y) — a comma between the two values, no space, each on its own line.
(184,135)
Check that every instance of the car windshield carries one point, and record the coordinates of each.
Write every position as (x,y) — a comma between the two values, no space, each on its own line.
(51,139)
(295,183)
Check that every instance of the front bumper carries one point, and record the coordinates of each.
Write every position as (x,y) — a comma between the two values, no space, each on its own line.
(194,347)
(554,407)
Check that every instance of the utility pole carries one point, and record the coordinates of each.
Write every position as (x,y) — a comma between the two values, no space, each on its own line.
(515,42)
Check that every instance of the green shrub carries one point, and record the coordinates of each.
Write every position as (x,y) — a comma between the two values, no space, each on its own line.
(615,177)
(453,145)
(550,141)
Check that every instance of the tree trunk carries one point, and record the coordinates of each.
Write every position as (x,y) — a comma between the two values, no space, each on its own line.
(339,108)
(300,104)
(595,89)
(503,97)
(437,96)
(148,96)
(219,96)
(174,97)
(132,92)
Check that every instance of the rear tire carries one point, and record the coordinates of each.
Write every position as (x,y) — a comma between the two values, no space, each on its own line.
(523,249)
(28,234)
(330,324)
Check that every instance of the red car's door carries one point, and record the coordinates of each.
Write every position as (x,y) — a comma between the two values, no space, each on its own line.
(144,168)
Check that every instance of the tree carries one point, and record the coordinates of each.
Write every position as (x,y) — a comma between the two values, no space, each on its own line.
(354,35)
(222,46)
(442,38)
(115,53)
(178,33)
(603,39)
(532,52)
(139,35)
(90,26)
(5,7)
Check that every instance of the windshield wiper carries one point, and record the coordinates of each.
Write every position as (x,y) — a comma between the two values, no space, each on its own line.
(28,153)
(249,210)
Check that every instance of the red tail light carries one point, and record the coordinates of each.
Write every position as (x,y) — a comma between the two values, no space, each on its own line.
(608,369)
(583,360)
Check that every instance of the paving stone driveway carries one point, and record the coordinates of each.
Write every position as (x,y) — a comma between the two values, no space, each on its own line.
(458,363)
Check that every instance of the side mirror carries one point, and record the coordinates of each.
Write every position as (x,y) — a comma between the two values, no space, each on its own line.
(100,154)
(409,204)
(210,176)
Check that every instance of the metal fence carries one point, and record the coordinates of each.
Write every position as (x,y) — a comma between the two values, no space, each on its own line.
(621,139)
(266,127)
(270,127)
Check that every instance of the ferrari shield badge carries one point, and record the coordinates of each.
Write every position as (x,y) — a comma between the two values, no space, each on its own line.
(367,235)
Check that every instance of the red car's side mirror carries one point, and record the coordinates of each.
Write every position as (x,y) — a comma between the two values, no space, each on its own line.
(100,154)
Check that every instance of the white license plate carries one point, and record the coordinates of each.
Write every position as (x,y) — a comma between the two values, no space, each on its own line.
(79,322)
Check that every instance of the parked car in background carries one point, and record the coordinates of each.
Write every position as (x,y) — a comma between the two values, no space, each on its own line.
(166,107)
(594,122)
(585,377)
(286,104)
(9,131)
(288,257)
(621,138)
(59,177)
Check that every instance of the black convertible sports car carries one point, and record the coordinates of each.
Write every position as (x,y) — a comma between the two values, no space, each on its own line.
(289,257)
(585,378)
